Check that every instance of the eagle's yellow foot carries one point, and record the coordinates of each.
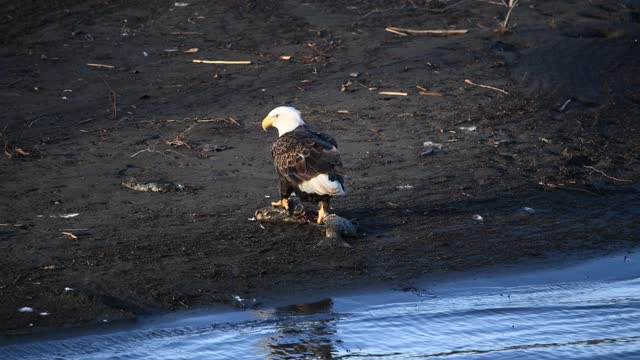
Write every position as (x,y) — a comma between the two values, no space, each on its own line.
(282,203)
(321,213)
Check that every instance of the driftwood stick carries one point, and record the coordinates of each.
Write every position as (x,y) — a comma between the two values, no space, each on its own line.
(485,86)
(605,175)
(393,93)
(222,62)
(404,32)
(101,66)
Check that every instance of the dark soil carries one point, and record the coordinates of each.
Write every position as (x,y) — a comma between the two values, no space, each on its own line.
(141,252)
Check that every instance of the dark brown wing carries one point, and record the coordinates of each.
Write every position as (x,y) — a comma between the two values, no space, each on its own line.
(302,154)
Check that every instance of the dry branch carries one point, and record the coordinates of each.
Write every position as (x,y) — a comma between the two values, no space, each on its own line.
(101,66)
(222,62)
(70,235)
(485,86)
(605,175)
(393,93)
(404,32)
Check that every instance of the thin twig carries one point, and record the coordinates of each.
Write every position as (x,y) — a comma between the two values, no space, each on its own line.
(222,62)
(393,93)
(512,5)
(403,31)
(101,66)
(112,96)
(605,175)
(564,106)
(485,86)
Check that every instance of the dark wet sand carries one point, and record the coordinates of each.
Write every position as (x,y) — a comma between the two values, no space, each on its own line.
(138,253)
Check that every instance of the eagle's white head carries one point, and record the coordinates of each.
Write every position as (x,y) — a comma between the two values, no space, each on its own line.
(283,118)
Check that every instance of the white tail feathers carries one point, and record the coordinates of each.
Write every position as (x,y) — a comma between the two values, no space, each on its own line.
(321,185)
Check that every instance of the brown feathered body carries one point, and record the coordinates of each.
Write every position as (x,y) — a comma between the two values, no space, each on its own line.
(308,163)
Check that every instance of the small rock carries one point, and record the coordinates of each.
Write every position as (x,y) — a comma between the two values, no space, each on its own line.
(477,217)
(25,309)
(468,128)
(404,187)
(337,227)
(354,74)
(529,210)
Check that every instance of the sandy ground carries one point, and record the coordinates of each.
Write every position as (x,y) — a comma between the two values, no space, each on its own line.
(85,129)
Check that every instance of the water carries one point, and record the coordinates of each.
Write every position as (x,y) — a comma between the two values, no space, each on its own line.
(587,311)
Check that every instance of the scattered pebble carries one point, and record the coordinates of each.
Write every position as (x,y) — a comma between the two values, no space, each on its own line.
(65,98)
(252,218)
(430,148)
(244,303)
(478,217)
(529,210)
(432,144)
(68,289)
(354,74)
(44,313)
(181,4)
(64,216)
(25,309)
(468,128)
(145,53)
(267,196)
(404,187)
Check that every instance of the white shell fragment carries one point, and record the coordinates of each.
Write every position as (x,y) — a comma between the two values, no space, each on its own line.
(44,313)
(404,187)
(68,289)
(65,216)
(25,309)
(468,128)
(181,4)
(478,217)
(529,210)
(432,144)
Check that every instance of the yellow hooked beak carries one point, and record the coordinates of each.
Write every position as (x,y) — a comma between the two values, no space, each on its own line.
(267,123)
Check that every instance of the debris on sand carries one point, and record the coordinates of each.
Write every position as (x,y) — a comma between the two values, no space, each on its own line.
(528,210)
(405,32)
(430,148)
(404,187)
(467,81)
(278,215)
(393,93)
(335,227)
(101,66)
(477,217)
(65,216)
(468,128)
(222,62)
(152,186)
(206,150)
(25,309)
(70,235)
(243,303)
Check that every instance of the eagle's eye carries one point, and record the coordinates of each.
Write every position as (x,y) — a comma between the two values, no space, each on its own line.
(277,115)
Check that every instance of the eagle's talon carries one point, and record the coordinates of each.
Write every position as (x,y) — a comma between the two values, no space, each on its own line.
(284,203)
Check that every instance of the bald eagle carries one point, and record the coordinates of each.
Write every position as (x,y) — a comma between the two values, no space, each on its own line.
(307,162)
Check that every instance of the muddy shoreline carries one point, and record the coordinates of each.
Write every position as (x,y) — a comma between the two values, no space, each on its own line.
(549,177)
